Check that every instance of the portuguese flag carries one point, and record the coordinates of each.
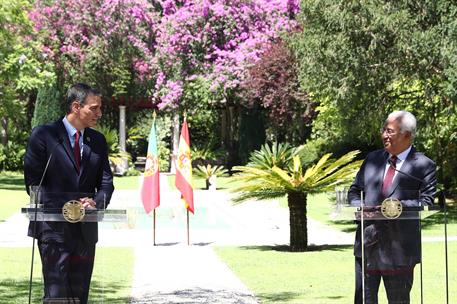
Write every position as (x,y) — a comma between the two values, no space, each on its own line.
(184,169)
(150,190)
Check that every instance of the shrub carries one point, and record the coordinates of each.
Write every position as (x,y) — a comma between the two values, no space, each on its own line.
(48,106)
(11,156)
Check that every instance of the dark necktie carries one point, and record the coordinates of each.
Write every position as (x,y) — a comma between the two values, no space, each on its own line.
(77,151)
(389,175)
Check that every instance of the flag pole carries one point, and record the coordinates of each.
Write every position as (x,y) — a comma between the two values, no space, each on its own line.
(154,115)
(188,239)
(154,227)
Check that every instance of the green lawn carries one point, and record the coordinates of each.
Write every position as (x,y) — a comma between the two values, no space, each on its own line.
(111,280)
(12,194)
(325,275)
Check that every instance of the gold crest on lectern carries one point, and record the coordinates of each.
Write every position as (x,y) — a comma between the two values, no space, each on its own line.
(73,211)
(391,208)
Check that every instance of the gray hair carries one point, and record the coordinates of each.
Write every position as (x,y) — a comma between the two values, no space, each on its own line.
(407,121)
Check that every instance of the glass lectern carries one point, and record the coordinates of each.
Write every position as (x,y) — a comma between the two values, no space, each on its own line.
(53,214)
(395,238)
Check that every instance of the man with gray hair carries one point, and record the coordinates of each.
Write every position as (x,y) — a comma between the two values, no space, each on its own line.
(391,246)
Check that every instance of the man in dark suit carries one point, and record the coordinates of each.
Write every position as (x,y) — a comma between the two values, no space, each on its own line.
(391,247)
(71,160)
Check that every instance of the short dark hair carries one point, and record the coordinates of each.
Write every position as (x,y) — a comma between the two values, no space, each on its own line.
(79,92)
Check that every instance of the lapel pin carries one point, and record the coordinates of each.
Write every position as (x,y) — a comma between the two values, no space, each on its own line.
(88,139)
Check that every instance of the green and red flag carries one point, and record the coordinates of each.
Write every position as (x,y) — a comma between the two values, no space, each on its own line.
(184,169)
(150,190)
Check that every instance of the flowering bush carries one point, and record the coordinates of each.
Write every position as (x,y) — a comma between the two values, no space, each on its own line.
(216,40)
(160,44)
(107,41)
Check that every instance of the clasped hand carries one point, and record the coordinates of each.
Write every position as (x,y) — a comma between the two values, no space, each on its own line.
(88,203)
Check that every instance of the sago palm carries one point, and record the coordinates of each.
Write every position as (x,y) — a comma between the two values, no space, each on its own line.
(260,181)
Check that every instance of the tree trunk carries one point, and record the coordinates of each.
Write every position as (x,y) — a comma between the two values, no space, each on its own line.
(4,131)
(298,221)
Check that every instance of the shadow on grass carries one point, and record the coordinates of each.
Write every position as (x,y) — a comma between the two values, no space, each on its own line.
(279,297)
(311,248)
(284,297)
(103,292)
(438,218)
(17,291)
(345,226)
(11,182)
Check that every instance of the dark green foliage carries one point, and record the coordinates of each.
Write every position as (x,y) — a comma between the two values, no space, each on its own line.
(203,117)
(267,157)
(362,60)
(11,156)
(111,137)
(49,105)
(138,133)
(251,133)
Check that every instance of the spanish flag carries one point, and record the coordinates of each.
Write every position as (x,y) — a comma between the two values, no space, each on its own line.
(184,169)
(150,190)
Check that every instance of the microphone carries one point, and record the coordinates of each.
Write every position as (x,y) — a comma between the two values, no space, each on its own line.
(36,197)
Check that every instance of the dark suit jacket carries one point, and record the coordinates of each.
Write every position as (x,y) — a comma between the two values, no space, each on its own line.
(62,181)
(394,243)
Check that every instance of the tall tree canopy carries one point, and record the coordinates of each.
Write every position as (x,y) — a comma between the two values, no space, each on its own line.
(23,68)
(362,59)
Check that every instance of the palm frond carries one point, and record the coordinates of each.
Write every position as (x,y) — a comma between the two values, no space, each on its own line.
(277,170)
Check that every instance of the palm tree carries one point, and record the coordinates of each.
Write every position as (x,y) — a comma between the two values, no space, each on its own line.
(273,173)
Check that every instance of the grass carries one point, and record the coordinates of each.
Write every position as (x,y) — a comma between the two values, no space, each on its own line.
(324,275)
(12,181)
(126,183)
(12,193)
(111,280)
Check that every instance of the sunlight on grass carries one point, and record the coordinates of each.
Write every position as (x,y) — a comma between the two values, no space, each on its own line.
(326,275)
(111,280)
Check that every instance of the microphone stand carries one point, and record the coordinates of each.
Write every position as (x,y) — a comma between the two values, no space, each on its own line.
(442,205)
(35,215)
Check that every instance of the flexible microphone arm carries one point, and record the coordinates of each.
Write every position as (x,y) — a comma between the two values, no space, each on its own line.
(440,192)
(35,215)
(442,204)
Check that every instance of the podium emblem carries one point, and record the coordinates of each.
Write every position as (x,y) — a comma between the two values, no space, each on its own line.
(391,208)
(73,211)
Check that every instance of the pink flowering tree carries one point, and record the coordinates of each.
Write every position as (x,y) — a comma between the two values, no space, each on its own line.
(215,41)
(206,46)
(109,42)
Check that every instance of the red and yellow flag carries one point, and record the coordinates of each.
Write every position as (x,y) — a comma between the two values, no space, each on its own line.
(184,169)
(150,190)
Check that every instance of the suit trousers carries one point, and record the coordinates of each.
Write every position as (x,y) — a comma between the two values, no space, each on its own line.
(67,270)
(397,284)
